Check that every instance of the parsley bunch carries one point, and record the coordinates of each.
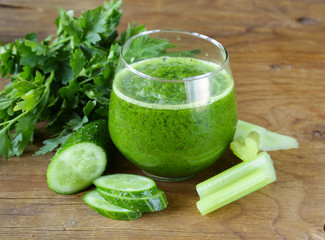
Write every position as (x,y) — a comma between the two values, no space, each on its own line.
(64,80)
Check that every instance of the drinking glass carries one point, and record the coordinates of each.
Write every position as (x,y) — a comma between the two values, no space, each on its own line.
(173,108)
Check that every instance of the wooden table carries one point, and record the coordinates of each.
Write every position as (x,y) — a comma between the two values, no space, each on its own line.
(277,53)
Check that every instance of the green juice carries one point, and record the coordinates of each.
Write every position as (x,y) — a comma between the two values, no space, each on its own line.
(172,129)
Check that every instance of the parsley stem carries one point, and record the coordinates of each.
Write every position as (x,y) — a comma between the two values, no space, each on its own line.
(45,94)
(46,91)
(9,123)
(54,44)
(85,81)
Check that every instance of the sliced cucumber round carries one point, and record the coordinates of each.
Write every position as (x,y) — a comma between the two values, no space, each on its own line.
(97,202)
(80,160)
(153,203)
(127,185)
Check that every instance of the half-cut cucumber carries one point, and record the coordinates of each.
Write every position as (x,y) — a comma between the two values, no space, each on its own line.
(80,160)
(154,203)
(127,185)
(97,202)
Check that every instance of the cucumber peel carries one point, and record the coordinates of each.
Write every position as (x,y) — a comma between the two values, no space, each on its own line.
(80,160)
(153,203)
(98,203)
(127,185)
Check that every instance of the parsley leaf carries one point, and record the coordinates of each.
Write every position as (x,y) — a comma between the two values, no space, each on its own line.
(77,61)
(64,80)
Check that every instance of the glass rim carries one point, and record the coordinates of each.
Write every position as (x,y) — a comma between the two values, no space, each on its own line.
(194,34)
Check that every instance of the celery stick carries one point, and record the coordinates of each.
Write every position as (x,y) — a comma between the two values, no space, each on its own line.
(235,182)
(268,140)
(229,176)
(246,149)
(226,177)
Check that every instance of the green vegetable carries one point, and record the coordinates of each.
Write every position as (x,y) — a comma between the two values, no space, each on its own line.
(80,160)
(125,196)
(268,140)
(64,80)
(246,148)
(255,172)
(127,185)
(153,203)
(105,208)
(235,182)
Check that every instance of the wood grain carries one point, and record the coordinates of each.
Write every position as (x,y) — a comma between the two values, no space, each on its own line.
(277,53)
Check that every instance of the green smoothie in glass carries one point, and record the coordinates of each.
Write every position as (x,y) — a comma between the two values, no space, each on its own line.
(175,118)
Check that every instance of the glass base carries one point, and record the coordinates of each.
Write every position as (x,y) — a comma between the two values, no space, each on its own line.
(167,179)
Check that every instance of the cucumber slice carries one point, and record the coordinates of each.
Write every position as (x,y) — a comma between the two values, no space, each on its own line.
(97,202)
(154,203)
(80,160)
(127,185)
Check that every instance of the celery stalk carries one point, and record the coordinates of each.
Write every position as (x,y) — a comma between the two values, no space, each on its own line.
(246,148)
(268,140)
(256,170)
(235,182)
(228,177)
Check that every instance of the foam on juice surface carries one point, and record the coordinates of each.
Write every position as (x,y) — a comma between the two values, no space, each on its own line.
(122,80)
